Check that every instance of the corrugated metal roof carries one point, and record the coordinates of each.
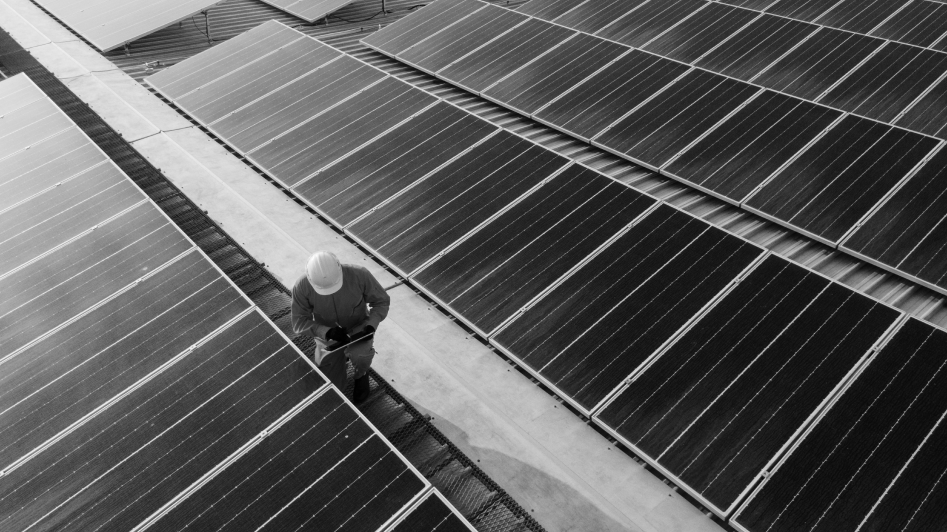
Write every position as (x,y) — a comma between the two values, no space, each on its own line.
(345,28)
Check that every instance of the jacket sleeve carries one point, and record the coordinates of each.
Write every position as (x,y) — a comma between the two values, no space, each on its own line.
(378,300)
(302,320)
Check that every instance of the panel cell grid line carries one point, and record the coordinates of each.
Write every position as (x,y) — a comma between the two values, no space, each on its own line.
(888,82)
(587,109)
(743,151)
(356,184)
(475,30)
(649,21)
(818,63)
(749,4)
(909,231)
(700,33)
(757,46)
(433,514)
(836,181)
(539,82)
(658,130)
(506,54)
(589,333)
(860,16)
(718,406)
(109,24)
(416,225)
(547,9)
(124,464)
(405,32)
(325,467)
(200,69)
(309,10)
(46,388)
(921,23)
(492,274)
(595,15)
(928,114)
(874,461)
(807,10)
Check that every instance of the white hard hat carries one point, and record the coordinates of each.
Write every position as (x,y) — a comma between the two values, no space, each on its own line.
(324,273)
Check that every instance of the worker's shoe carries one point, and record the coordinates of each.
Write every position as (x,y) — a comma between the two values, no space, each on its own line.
(362,389)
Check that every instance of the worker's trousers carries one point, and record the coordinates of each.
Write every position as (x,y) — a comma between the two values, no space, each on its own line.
(333,365)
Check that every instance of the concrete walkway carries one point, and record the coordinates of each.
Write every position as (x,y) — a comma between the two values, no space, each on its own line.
(547,458)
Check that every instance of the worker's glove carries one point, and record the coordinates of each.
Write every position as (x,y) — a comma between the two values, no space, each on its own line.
(337,334)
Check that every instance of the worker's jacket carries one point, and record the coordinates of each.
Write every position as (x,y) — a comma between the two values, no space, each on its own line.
(361,301)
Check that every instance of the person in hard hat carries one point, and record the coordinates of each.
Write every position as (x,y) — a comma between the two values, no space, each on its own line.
(332,302)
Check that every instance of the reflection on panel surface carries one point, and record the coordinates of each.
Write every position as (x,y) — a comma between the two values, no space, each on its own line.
(875,460)
(698,34)
(718,405)
(500,268)
(588,334)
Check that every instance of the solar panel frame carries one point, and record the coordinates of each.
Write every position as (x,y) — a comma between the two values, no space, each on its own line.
(312,10)
(453,522)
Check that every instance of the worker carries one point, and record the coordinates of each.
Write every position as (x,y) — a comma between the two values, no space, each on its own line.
(334,302)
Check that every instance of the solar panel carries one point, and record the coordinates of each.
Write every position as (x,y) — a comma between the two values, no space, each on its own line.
(860,16)
(835,182)
(659,129)
(807,10)
(443,48)
(750,4)
(323,467)
(433,514)
(349,188)
(757,46)
(920,23)
(416,225)
(495,60)
(589,107)
(907,232)
(593,16)
(888,81)
(649,21)
(818,63)
(541,81)
(720,404)
(29,125)
(874,460)
(589,333)
(309,10)
(496,271)
(109,24)
(547,9)
(929,113)
(737,157)
(693,37)
(398,37)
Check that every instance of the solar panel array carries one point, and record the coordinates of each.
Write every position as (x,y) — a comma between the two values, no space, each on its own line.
(138,386)
(777,107)
(110,24)
(706,355)
(309,10)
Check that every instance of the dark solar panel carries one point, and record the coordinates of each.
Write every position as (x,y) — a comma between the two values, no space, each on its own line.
(443,48)
(888,82)
(592,16)
(700,33)
(750,4)
(432,515)
(808,10)
(743,151)
(539,82)
(220,60)
(323,469)
(909,232)
(350,188)
(929,113)
(922,23)
(818,63)
(757,46)
(398,37)
(240,87)
(860,16)
(662,127)
(596,102)
(649,21)
(416,225)
(46,388)
(834,183)
(717,407)
(875,459)
(494,61)
(591,332)
(492,274)
(303,151)
(547,9)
